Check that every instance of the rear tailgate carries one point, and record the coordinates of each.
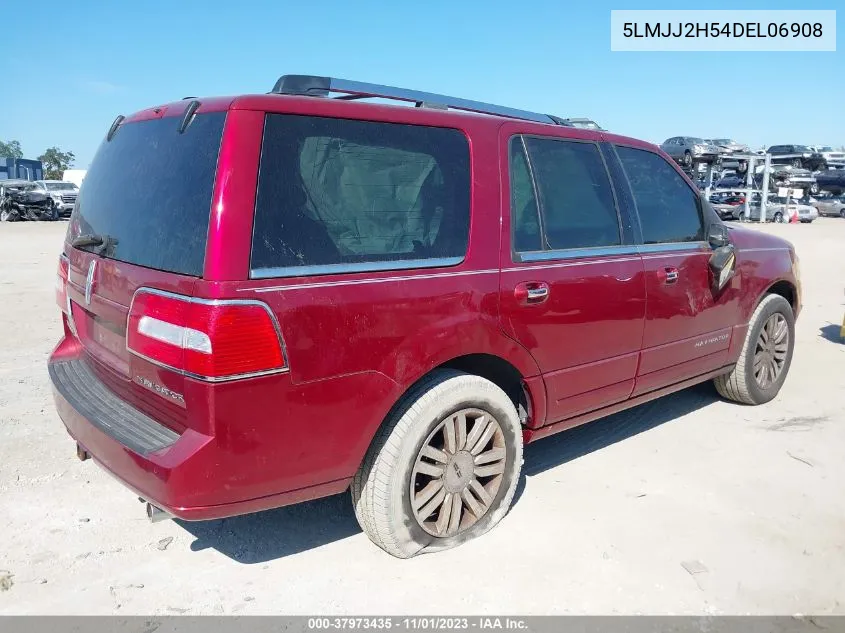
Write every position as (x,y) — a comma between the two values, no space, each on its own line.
(145,205)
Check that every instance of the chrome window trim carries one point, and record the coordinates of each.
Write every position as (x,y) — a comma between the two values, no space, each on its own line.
(186,299)
(610,251)
(665,247)
(360,267)
(577,253)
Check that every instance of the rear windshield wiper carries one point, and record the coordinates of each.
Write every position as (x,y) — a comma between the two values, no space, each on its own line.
(102,243)
(89,239)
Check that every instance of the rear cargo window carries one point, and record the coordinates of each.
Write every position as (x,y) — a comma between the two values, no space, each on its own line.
(337,195)
(149,189)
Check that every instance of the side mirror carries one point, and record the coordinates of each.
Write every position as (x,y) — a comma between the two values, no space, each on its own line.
(717,236)
(722,266)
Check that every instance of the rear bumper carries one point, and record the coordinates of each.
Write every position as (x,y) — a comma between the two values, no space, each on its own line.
(182,473)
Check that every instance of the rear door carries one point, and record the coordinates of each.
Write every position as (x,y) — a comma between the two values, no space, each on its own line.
(141,220)
(687,329)
(572,284)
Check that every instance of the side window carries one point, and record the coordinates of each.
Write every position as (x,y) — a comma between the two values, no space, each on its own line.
(525,216)
(576,199)
(346,192)
(669,210)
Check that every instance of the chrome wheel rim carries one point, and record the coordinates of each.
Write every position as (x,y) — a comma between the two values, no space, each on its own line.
(771,350)
(458,472)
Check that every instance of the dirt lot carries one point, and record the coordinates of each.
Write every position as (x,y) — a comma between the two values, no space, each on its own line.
(685,505)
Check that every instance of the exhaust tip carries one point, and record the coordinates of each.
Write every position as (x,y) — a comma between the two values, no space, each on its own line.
(156,514)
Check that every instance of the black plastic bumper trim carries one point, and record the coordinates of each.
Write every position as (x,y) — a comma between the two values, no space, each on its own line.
(77,384)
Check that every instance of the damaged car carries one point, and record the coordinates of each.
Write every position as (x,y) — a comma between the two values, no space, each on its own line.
(24,200)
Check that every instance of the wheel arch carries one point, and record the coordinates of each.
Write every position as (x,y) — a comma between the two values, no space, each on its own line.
(785,289)
(526,392)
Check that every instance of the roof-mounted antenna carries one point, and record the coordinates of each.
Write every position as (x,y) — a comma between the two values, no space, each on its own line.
(114,126)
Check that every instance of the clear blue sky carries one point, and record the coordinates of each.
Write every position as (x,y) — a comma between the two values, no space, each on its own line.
(76,65)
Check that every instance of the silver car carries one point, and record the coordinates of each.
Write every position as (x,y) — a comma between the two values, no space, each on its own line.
(835,159)
(690,149)
(63,194)
(833,206)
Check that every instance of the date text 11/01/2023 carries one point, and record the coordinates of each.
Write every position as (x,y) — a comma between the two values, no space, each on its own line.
(721,29)
(423,623)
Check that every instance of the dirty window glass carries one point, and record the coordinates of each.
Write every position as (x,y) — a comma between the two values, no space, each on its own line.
(669,210)
(525,216)
(149,189)
(340,191)
(576,198)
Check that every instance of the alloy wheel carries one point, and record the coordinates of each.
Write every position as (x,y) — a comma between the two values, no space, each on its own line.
(771,350)
(458,472)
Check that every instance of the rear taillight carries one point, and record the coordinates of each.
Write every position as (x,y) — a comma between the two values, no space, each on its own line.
(61,283)
(210,340)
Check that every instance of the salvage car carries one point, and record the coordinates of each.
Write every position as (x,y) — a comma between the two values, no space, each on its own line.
(834,158)
(62,193)
(237,338)
(730,146)
(832,206)
(24,200)
(690,149)
(832,180)
(797,156)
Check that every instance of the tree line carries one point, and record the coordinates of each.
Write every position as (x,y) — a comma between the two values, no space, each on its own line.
(55,161)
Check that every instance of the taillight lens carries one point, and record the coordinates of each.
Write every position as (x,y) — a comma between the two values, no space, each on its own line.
(211,340)
(61,283)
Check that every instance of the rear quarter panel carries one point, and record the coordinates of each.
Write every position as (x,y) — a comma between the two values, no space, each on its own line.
(354,342)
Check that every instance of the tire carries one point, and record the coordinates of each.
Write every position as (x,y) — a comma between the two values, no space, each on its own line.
(842,213)
(778,217)
(814,189)
(8,216)
(796,162)
(687,158)
(742,167)
(740,384)
(382,487)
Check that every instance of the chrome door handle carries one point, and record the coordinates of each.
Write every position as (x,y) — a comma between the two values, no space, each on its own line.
(531,292)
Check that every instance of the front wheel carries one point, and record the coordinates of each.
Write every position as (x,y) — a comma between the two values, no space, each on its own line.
(796,162)
(443,468)
(766,354)
(842,214)
(778,217)
(687,158)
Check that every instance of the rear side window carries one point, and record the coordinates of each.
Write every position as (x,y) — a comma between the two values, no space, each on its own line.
(524,212)
(338,195)
(149,189)
(669,210)
(576,199)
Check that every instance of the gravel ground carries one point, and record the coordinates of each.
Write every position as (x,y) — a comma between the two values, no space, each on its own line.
(685,505)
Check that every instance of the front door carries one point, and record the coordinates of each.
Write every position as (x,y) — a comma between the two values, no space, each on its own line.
(572,288)
(687,327)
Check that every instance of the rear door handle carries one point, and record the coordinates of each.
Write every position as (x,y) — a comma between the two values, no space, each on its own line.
(668,275)
(531,292)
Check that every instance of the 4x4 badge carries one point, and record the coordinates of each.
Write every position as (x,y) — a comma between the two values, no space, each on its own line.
(89,281)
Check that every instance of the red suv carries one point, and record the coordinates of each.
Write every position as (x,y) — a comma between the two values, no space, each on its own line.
(273,298)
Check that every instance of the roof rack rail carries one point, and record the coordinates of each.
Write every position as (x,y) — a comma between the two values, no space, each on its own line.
(314,86)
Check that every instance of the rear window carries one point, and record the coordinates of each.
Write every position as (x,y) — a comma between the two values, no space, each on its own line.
(150,189)
(339,195)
